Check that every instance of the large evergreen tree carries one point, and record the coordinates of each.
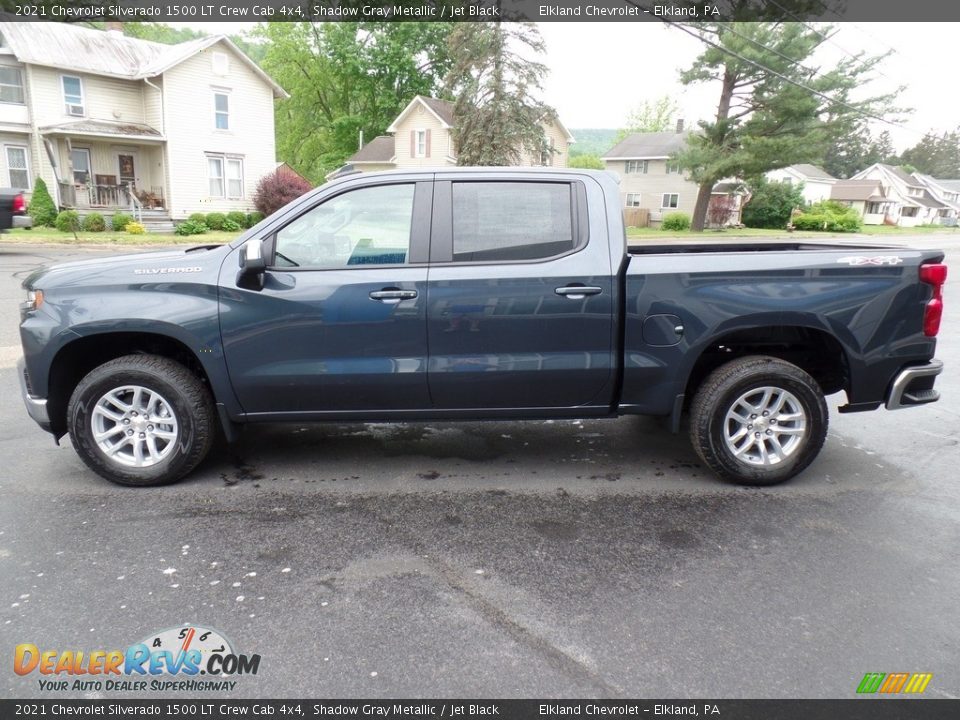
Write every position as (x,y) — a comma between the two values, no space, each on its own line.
(496,80)
(773,109)
(937,154)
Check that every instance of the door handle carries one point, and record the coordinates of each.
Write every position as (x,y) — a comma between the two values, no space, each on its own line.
(392,295)
(578,292)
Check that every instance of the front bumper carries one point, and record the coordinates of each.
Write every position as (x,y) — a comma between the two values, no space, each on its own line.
(914,386)
(36,407)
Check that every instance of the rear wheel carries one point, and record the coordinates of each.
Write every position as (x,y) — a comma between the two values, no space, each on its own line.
(758,420)
(141,420)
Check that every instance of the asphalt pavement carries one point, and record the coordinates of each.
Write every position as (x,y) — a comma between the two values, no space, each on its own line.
(545,559)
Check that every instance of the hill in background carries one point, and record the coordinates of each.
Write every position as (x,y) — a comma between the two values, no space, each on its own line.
(593,141)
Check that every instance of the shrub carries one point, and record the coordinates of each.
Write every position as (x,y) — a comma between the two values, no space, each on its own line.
(237,217)
(190,227)
(675,221)
(198,218)
(215,220)
(94,222)
(42,209)
(135,228)
(587,162)
(277,189)
(229,225)
(254,217)
(119,221)
(68,221)
(771,203)
(828,216)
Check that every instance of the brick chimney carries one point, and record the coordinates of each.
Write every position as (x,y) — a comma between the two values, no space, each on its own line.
(679,126)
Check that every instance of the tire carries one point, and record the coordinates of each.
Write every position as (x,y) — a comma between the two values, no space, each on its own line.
(170,419)
(747,447)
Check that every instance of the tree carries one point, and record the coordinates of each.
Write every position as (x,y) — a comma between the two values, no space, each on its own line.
(588,162)
(771,203)
(42,209)
(766,116)
(344,78)
(650,116)
(498,116)
(275,190)
(852,151)
(937,155)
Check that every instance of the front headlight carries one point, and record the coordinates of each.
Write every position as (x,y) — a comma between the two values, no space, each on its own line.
(34,301)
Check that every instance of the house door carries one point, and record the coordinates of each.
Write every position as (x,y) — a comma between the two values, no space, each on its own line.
(127,163)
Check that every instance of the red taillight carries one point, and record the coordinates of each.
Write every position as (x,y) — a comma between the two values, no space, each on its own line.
(19,206)
(935,275)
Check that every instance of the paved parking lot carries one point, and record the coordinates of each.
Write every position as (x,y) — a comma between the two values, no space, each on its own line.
(499,559)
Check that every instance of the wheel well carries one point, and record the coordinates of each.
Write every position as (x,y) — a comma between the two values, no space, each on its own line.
(812,350)
(81,356)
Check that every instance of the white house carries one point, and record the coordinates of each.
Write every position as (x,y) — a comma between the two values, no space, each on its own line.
(112,122)
(908,202)
(867,197)
(817,183)
(421,136)
(946,194)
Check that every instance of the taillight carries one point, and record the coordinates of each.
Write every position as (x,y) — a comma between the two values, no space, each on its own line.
(934,274)
(19,205)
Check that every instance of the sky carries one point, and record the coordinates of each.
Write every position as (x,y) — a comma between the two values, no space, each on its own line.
(599,71)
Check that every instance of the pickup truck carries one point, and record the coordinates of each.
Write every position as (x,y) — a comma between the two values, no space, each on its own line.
(13,210)
(471,293)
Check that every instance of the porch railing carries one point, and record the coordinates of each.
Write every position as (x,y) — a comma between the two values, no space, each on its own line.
(110,197)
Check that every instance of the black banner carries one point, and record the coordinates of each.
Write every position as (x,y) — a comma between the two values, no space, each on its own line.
(482,10)
(204,709)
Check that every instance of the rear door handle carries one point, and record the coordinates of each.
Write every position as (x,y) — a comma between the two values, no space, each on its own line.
(392,295)
(578,292)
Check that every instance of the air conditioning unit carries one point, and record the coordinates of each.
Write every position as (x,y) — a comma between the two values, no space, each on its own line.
(75,110)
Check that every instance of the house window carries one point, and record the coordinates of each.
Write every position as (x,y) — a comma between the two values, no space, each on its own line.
(80,159)
(215,176)
(221,111)
(633,199)
(637,166)
(670,200)
(73,95)
(17,167)
(421,144)
(908,212)
(874,208)
(11,85)
(221,63)
(234,178)
(673,168)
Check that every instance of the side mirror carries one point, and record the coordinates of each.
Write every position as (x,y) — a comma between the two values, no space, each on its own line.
(252,264)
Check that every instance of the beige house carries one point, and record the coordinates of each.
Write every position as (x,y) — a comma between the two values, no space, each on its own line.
(650,179)
(116,123)
(421,137)
(867,197)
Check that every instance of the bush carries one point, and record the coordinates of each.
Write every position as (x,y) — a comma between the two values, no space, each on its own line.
(119,221)
(135,228)
(828,216)
(229,225)
(42,209)
(254,217)
(68,221)
(237,217)
(94,222)
(215,220)
(277,189)
(190,227)
(675,221)
(198,218)
(587,162)
(771,204)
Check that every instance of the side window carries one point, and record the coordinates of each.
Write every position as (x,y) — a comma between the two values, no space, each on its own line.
(368,226)
(510,221)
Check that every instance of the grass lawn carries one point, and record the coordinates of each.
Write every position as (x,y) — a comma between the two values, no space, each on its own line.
(109,237)
(885,230)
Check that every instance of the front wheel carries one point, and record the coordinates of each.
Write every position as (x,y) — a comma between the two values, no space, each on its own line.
(758,420)
(141,420)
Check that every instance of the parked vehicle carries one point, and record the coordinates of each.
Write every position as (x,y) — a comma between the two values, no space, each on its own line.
(466,294)
(13,210)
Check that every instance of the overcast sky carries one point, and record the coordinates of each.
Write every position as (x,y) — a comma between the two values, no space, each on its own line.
(599,71)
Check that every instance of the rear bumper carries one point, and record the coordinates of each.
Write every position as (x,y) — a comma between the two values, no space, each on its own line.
(914,386)
(22,221)
(36,407)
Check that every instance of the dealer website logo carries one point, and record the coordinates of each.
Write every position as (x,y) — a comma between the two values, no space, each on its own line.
(191,658)
(893,683)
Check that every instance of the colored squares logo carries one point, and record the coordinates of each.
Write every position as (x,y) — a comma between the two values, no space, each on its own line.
(893,683)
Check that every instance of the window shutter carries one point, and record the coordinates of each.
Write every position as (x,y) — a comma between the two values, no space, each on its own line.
(413,143)
(427,143)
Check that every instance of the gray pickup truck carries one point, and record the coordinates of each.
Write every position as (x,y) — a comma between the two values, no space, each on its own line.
(474,294)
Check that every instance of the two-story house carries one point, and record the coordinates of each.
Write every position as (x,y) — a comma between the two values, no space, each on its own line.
(421,136)
(817,183)
(909,203)
(948,196)
(112,122)
(651,179)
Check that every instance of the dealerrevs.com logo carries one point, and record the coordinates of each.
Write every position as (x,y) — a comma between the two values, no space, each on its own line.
(189,658)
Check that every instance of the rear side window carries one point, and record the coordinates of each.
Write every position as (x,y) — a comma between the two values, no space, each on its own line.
(511,221)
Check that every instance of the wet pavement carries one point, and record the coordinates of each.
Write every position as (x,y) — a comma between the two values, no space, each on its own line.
(565,558)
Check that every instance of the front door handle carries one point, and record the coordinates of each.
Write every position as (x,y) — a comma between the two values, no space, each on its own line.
(578,292)
(392,296)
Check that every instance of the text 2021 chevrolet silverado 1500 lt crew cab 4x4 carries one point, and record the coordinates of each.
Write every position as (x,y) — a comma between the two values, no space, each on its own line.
(474,293)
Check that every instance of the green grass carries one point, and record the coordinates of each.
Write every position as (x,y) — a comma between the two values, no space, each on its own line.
(44,236)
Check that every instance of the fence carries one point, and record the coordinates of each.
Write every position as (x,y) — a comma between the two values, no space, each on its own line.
(636,217)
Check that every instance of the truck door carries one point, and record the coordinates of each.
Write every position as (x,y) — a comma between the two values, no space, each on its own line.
(339,325)
(520,294)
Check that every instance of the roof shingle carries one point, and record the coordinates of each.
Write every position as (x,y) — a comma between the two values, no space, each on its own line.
(641,146)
